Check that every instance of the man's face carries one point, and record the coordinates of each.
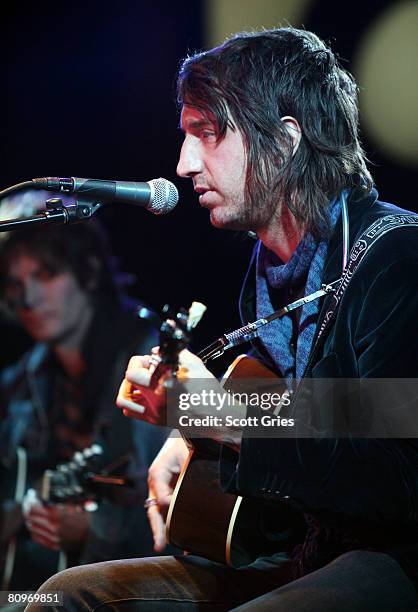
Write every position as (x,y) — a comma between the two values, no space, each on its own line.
(50,306)
(217,168)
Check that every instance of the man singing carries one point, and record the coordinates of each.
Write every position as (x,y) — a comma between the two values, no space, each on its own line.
(271,143)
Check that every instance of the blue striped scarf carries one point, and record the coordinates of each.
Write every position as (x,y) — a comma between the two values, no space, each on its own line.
(304,267)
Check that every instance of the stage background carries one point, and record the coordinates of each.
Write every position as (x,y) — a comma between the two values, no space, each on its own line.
(89,92)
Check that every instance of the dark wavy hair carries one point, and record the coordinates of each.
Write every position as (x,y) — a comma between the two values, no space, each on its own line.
(259,77)
(80,249)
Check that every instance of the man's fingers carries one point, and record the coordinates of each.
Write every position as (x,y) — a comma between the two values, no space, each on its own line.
(133,413)
(160,486)
(138,362)
(138,376)
(45,540)
(39,532)
(47,514)
(50,512)
(42,523)
(138,372)
(128,398)
(194,365)
(39,523)
(158,490)
(157,524)
(43,533)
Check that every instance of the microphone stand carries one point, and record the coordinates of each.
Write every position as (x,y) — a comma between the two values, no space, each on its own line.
(56,213)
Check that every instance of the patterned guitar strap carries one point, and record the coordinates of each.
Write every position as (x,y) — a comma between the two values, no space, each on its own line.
(361,247)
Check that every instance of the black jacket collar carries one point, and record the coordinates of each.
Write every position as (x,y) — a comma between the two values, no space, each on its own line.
(363,210)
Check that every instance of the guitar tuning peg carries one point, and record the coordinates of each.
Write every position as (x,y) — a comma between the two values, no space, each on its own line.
(96,449)
(90,506)
(182,317)
(166,309)
(78,464)
(196,312)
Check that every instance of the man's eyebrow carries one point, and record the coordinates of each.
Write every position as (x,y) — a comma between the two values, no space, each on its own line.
(195,124)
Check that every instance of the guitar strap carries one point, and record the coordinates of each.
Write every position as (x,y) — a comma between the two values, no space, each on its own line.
(362,246)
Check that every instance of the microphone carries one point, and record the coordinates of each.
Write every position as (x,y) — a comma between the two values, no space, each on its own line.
(159,196)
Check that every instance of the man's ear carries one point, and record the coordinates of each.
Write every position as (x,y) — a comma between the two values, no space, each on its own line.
(293,128)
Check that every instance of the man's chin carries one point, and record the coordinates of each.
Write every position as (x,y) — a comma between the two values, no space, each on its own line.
(238,224)
(41,333)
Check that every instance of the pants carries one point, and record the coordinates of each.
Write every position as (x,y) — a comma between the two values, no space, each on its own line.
(357,581)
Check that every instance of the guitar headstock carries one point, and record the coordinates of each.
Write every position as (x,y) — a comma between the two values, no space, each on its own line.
(79,481)
(175,332)
(163,366)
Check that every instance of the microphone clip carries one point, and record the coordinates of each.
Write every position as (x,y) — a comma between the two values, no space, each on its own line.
(78,210)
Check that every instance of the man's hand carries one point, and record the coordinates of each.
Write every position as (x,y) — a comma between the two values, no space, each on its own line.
(136,398)
(57,527)
(162,476)
(139,400)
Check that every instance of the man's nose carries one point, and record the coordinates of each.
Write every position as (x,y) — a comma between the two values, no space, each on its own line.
(190,161)
(31,294)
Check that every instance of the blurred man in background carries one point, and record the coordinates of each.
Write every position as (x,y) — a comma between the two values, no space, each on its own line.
(59,398)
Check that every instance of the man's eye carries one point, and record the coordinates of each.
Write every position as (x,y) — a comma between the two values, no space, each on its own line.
(207,134)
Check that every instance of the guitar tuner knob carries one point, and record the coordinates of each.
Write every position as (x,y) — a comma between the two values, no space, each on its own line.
(168,312)
(91,506)
(97,449)
(92,451)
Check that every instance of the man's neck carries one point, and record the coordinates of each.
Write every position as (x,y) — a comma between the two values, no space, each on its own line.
(282,235)
(68,351)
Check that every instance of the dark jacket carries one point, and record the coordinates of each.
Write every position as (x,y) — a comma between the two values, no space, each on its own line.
(119,527)
(354,492)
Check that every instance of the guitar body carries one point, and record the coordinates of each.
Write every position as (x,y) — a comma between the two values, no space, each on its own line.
(202,519)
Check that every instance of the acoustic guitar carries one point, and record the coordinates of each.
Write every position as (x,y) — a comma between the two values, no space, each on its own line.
(202,519)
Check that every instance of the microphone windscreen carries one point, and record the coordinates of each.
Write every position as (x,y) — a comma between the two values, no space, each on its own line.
(164,196)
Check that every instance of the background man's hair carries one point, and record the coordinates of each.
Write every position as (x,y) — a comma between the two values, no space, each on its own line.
(79,249)
(260,77)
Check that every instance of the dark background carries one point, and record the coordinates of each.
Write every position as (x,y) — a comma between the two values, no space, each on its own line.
(89,91)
